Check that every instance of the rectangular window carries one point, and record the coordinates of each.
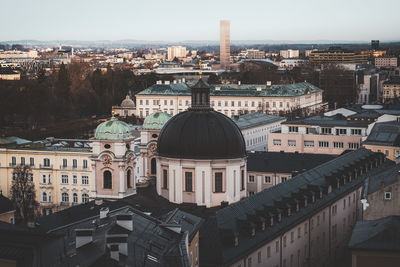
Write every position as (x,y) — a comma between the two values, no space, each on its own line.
(165,179)
(188,181)
(13,161)
(65,163)
(291,142)
(22,161)
(31,162)
(218,182)
(64,179)
(388,195)
(74,163)
(283,179)
(355,131)
(298,232)
(259,257)
(267,179)
(354,145)
(251,178)
(326,130)
(291,237)
(74,179)
(85,179)
(284,241)
(293,129)
(277,142)
(323,144)
(277,246)
(242,180)
(309,143)
(85,166)
(44,178)
(338,144)
(341,131)
(268,252)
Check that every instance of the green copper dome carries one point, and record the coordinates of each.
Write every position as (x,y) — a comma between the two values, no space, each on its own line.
(156,120)
(113,129)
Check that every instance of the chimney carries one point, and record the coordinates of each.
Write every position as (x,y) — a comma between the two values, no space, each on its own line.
(269,83)
(174,81)
(125,221)
(217,88)
(183,80)
(239,82)
(166,82)
(114,252)
(179,80)
(258,89)
(104,212)
(173,227)
(83,237)
(159,82)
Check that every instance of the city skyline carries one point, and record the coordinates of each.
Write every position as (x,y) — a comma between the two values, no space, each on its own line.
(287,21)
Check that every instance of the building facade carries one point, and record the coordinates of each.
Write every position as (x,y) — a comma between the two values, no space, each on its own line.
(176,52)
(319,134)
(232,99)
(337,55)
(255,128)
(289,53)
(225,44)
(391,90)
(381,62)
(126,109)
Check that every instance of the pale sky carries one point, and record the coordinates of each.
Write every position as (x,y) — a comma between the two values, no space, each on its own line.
(179,20)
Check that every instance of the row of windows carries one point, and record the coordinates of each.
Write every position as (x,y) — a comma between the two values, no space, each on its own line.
(65,198)
(65,180)
(46,162)
(325,144)
(267,179)
(218,184)
(107,179)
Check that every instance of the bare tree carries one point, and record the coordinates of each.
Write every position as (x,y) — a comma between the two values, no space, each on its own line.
(23,193)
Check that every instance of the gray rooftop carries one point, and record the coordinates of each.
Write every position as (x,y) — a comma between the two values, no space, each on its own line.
(255,119)
(333,121)
(385,133)
(382,234)
(245,90)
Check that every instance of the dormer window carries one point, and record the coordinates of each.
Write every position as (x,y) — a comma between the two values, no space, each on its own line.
(236,241)
(279,217)
(313,198)
(297,207)
(289,211)
(253,231)
(262,226)
(329,189)
(272,221)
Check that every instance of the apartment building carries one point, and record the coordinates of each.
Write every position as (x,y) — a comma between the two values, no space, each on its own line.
(306,221)
(337,55)
(385,62)
(62,176)
(255,128)
(391,90)
(289,53)
(232,99)
(267,169)
(319,134)
(176,52)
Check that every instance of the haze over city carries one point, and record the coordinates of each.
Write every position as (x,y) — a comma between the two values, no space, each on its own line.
(178,20)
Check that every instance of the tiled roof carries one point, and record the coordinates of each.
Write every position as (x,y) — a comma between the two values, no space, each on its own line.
(281,162)
(246,90)
(384,179)
(336,120)
(255,119)
(382,234)
(235,219)
(385,133)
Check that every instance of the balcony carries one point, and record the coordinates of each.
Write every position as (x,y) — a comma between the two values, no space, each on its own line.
(49,167)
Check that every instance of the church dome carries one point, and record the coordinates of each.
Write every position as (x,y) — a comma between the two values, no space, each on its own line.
(201,132)
(156,120)
(127,102)
(113,129)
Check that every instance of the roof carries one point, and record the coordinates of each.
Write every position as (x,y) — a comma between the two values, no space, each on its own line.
(113,129)
(127,102)
(245,90)
(189,222)
(382,234)
(228,221)
(17,140)
(6,204)
(393,81)
(282,162)
(384,179)
(255,119)
(384,133)
(156,120)
(336,120)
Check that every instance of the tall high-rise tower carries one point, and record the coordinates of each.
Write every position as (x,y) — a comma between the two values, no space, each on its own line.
(224,44)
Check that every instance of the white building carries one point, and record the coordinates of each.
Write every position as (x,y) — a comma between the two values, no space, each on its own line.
(176,52)
(289,64)
(289,53)
(255,128)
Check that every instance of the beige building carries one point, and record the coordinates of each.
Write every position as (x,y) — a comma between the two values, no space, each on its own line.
(127,108)
(289,53)
(225,44)
(62,176)
(385,62)
(319,134)
(232,99)
(391,90)
(9,74)
(176,52)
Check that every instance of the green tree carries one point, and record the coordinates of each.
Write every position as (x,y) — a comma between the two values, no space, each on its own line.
(23,193)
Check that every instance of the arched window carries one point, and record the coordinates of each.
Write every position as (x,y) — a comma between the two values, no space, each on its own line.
(44,197)
(85,198)
(65,197)
(107,180)
(128,179)
(75,198)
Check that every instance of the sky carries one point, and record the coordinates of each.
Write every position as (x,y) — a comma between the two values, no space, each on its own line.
(180,20)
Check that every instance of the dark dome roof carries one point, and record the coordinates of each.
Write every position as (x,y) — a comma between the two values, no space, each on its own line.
(201,135)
